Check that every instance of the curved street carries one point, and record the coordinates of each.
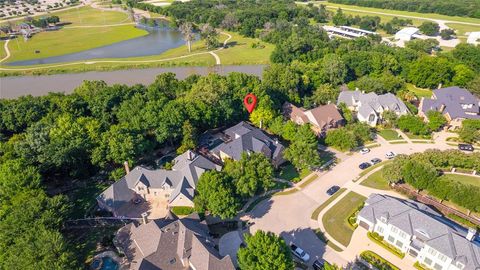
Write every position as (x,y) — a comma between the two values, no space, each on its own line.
(290,215)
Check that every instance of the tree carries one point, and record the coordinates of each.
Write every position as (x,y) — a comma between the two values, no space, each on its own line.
(447,34)
(421,175)
(187,31)
(252,174)
(230,21)
(340,138)
(393,172)
(436,120)
(429,72)
(324,94)
(429,28)
(339,18)
(333,69)
(422,45)
(263,251)
(463,75)
(215,193)
(210,35)
(474,86)
(188,139)
(470,131)
(413,124)
(303,152)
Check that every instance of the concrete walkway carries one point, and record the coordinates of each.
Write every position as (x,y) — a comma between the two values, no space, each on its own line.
(7,51)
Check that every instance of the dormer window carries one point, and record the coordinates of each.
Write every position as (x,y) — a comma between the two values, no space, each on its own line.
(383,219)
(460,265)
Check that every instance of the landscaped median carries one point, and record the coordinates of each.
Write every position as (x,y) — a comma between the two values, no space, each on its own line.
(326,203)
(377,261)
(335,220)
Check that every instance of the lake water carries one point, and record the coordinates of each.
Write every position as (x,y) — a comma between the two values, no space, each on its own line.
(16,86)
(158,40)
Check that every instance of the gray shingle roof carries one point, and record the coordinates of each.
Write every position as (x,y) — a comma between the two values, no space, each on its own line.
(168,244)
(246,138)
(182,178)
(371,102)
(420,220)
(452,99)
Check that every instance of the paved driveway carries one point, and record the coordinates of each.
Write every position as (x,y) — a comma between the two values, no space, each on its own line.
(289,215)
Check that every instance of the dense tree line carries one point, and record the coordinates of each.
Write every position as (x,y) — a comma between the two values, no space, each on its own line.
(469,8)
(421,171)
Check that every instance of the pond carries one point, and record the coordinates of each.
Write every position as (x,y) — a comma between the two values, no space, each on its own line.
(159,40)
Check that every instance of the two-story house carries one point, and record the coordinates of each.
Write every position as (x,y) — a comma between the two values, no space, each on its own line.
(424,234)
(321,118)
(370,106)
(455,103)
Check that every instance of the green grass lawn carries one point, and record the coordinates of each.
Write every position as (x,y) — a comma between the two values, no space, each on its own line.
(464,179)
(87,15)
(419,92)
(3,53)
(389,134)
(289,172)
(241,52)
(308,181)
(335,219)
(418,137)
(462,29)
(376,180)
(327,202)
(66,41)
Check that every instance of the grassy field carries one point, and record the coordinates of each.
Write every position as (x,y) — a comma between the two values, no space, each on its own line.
(2,51)
(389,134)
(464,179)
(67,41)
(90,16)
(376,180)
(335,219)
(241,52)
(419,92)
(462,29)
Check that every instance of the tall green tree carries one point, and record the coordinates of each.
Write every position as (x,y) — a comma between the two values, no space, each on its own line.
(264,251)
(303,150)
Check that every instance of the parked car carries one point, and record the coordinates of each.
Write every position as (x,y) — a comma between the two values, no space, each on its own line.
(375,161)
(364,151)
(466,147)
(390,155)
(364,165)
(300,253)
(318,265)
(332,190)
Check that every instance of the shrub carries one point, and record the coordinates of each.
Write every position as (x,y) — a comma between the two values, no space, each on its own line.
(377,261)
(182,210)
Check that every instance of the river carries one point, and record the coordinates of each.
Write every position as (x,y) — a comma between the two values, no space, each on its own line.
(16,86)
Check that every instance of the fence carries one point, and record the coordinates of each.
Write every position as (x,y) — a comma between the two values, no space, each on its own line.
(446,210)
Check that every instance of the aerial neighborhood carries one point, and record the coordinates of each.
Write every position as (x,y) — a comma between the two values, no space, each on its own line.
(240,135)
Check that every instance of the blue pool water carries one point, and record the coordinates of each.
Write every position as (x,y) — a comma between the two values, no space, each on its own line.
(107,263)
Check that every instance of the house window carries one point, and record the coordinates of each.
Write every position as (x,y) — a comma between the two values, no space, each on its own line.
(383,219)
(394,229)
(402,234)
(380,229)
(371,118)
(427,261)
(391,239)
(432,251)
(140,188)
(460,265)
(399,244)
(442,257)
(437,267)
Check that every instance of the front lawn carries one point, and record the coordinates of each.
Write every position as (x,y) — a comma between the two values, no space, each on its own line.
(464,179)
(327,202)
(335,219)
(419,92)
(389,134)
(418,137)
(376,181)
(289,172)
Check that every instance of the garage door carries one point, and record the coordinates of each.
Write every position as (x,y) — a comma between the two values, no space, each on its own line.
(364,225)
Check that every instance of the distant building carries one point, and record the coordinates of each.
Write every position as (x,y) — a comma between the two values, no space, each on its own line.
(421,233)
(171,244)
(321,118)
(177,185)
(244,137)
(474,38)
(370,106)
(455,103)
(347,32)
(407,34)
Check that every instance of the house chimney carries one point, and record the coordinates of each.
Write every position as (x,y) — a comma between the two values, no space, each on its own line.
(145,218)
(472,233)
(127,169)
(190,155)
(356,89)
(439,85)
(328,102)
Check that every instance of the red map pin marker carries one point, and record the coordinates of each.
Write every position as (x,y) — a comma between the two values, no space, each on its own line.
(250,101)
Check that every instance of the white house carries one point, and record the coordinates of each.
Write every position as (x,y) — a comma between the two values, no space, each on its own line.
(422,233)
(370,106)
(407,34)
(474,38)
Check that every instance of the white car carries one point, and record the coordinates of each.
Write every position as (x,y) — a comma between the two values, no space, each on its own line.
(364,151)
(300,253)
(390,155)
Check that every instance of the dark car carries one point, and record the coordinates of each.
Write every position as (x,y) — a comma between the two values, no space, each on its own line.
(332,190)
(364,165)
(375,161)
(318,265)
(466,147)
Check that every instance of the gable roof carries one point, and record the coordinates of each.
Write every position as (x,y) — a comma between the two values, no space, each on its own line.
(371,102)
(183,178)
(457,102)
(320,116)
(245,138)
(420,220)
(171,244)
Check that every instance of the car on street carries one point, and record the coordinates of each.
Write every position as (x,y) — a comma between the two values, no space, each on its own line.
(466,147)
(364,165)
(375,161)
(318,265)
(390,155)
(332,190)
(364,151)
(300,253)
